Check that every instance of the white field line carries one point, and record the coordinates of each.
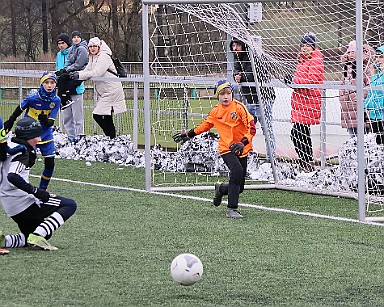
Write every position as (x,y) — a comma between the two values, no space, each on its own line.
(303,213)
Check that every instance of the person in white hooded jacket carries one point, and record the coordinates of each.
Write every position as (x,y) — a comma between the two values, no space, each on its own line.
(110,95)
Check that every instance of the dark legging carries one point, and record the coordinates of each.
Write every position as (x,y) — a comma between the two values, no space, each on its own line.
(301,138)
(237,172)
(106,123)
(378,128)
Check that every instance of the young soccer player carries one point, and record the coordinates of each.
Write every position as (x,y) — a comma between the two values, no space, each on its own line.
(42,105)
(37,213)
(236,128)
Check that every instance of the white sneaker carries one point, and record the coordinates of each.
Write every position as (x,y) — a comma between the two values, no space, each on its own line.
(68,104)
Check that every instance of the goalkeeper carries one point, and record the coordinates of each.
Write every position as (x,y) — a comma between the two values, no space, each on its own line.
(37,213)
(236,128)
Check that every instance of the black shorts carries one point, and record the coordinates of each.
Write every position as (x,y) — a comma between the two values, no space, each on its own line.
(35,214)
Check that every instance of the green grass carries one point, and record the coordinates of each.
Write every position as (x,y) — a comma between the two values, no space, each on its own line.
(117,248)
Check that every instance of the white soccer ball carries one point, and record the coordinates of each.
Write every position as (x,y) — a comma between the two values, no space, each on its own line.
(186,269)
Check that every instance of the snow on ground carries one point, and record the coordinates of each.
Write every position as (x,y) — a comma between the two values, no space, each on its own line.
(200,154)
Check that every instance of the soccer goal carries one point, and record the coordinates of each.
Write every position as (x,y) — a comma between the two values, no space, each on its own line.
(186,50)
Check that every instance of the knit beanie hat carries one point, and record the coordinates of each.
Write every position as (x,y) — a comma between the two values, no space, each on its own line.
(28,128)
(220,85)
(76,33)
(351,46)
(47,75)
(308,39)
(64,37)
(94,41)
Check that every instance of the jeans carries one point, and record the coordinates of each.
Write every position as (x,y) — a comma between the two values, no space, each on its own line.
(352,132)
(255,110)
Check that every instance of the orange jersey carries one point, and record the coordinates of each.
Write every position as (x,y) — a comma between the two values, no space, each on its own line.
(233,122)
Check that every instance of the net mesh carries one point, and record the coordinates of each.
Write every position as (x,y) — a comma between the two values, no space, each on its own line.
(189,46)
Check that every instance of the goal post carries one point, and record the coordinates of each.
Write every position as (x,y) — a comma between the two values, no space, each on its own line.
(186,51)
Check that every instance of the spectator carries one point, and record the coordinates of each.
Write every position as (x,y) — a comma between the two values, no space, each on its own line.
(243,72)
(374,103)
(236,128)
(306,102)
(73,115)
(110,95)
(42,105)
(37,213)
(348,98)
(77,60)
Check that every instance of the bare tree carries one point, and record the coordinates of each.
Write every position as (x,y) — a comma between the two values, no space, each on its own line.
(13,27)
(130,23)
(44,21)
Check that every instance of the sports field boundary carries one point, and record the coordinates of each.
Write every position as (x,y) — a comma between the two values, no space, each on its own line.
(259,207)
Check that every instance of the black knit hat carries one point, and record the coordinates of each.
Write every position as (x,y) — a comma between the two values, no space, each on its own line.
(308,39)
(28,128)
(64,37)
(76,33)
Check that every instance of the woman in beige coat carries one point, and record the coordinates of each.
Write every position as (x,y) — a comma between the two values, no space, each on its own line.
(110,95)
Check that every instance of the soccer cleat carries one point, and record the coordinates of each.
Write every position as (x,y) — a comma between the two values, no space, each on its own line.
(218,196)
(40,242)
(234,214)
(2,239)
(67,104)
(4,251)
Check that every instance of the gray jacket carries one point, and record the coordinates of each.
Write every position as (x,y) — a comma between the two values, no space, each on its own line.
(77,57)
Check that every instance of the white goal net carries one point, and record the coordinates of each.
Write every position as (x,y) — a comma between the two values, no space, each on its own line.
(189,51)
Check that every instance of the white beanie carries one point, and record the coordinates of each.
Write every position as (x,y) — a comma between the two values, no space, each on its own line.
(94,41)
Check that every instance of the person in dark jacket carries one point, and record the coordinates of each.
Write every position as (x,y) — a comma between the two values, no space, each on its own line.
(242,73)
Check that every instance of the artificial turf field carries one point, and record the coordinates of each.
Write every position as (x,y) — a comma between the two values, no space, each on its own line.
(117,248)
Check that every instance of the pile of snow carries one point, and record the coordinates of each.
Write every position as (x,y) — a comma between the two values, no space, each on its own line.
(200,154)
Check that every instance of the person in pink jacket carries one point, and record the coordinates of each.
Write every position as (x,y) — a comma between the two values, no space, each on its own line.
(306,102)
(348,98)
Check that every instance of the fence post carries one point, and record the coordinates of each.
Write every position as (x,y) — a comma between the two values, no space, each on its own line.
(94,104)
(20,83)
(185,107)
(323,129)
(135,114)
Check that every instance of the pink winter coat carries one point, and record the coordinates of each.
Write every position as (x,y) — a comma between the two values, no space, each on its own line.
(348,98)
(306,102)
